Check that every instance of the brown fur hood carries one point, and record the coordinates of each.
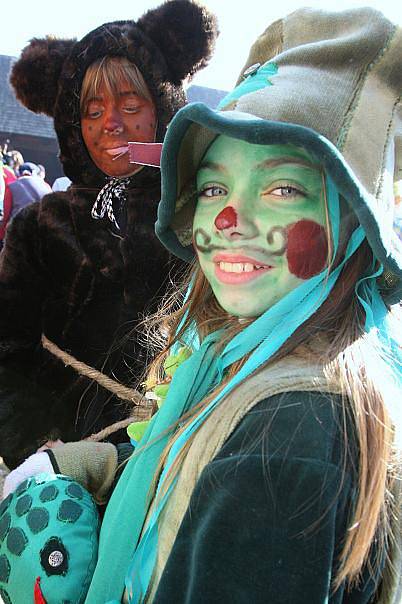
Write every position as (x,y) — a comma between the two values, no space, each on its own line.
(168,44)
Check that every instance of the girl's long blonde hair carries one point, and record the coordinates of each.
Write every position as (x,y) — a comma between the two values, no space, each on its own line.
(350,356)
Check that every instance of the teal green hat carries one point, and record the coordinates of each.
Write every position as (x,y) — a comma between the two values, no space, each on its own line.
(327,81)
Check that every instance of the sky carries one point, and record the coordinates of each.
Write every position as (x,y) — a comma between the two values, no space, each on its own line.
(240,23)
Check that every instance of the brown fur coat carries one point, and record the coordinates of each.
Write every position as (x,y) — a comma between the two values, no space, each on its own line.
(79,281)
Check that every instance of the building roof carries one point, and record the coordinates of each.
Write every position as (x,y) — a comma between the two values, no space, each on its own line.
(209,96)
(14,118)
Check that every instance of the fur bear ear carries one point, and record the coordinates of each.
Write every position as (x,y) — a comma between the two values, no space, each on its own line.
(184,32)
(35,75)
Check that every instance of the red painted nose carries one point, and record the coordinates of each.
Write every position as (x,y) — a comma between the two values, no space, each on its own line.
(226,219)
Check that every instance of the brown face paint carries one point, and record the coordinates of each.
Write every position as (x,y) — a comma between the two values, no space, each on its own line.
(111,121)
(307,248)
(270,238)
(201,240)
(226,219)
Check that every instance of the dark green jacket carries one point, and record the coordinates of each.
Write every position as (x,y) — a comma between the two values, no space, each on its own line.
(268,515)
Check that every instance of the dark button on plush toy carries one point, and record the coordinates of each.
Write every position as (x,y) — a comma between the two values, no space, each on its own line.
(54,557)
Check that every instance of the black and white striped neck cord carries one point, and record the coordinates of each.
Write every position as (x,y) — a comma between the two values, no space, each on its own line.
(115,188)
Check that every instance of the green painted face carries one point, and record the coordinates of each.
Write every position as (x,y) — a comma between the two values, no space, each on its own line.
(259,222)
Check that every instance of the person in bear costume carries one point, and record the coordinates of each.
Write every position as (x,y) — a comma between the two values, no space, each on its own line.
(79,268)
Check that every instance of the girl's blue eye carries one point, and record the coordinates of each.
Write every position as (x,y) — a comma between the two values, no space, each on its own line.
(287,192)
(212,191)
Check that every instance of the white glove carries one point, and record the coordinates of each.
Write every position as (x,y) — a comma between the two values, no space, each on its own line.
(38,463)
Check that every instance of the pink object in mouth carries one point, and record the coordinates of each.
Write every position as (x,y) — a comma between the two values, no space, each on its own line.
(117,151)
(145,154)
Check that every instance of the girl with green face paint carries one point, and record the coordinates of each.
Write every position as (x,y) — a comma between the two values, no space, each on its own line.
(259,226)
(287,396)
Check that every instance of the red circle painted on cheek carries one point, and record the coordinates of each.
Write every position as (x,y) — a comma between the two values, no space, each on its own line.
(307,248)
(226,219)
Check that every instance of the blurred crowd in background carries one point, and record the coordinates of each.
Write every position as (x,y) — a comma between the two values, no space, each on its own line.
(21,183)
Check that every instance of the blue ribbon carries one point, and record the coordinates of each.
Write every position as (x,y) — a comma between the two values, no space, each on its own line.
(255,81)
(378,323)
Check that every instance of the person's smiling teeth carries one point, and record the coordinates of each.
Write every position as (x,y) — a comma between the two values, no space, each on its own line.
(239,267)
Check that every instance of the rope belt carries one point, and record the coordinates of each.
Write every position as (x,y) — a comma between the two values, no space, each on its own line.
(143,407)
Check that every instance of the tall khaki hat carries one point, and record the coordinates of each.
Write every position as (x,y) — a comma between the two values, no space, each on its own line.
(328,81)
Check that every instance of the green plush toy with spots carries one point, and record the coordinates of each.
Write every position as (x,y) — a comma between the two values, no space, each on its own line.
(48,542)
